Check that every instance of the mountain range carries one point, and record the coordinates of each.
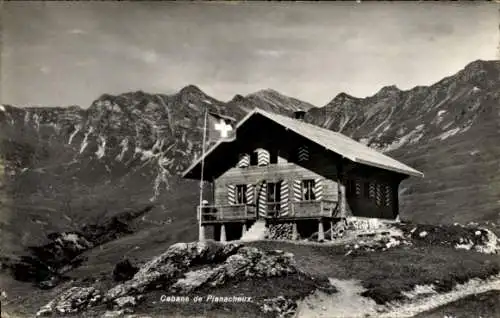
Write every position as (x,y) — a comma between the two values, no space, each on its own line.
(68,167)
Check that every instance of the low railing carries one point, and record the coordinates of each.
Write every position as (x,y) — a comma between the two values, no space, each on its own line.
(325,208)
(300,209)
(322,208)
(227,212)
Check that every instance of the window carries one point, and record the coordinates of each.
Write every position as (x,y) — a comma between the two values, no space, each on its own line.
(273,192)
(273,198)
(308,190)
(273,157)
(254,158)
(353,188)
(241,194)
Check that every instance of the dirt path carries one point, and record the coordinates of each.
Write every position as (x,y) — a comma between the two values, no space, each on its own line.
(474,286)
(349,303)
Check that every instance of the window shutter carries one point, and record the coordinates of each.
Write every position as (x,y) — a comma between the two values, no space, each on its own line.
(297,190)
(371,190)
(263,157)
(303,153)
(318,189)
(231,194)
(284,192)
(250,194)
(244,160)
(263,200)
(388,196)
(379,194)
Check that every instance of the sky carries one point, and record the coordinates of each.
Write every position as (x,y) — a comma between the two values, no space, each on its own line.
(69,53)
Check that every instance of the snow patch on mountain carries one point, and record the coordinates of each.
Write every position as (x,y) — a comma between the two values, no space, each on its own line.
(193,107)
(447,134)
(124,146)
(384,122)
(365,141)
(36,121)
(343,123)
(2,108)
(73,134)
(439,117)
(145,153)
(101,147)
(161,178)
(410,138)
(85,141)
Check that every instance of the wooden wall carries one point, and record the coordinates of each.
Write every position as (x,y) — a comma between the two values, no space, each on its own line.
(271,173)
(321,163)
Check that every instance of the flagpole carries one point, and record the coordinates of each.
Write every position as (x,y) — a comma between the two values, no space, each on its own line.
(202,237)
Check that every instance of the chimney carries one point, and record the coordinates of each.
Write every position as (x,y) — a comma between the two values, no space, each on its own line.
(299,114)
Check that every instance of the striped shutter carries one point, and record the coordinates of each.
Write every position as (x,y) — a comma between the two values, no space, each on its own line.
(358,188)
(244,160)
(318,189)
(297,190)
(284,193)
(378,195)
(231,194)
(250,194)
(388,196)
(371,190)
(303,153)
(263,200)
(263,157)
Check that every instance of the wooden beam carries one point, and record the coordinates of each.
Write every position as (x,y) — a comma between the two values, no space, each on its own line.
(341,188)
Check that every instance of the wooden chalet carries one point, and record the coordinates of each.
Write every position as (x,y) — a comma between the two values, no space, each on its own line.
(282,169)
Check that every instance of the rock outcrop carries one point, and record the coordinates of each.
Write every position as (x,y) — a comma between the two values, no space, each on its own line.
(188,267)
(247,262)
(170,265)
(71,301)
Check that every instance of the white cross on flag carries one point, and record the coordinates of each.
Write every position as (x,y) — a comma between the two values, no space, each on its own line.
(221,127)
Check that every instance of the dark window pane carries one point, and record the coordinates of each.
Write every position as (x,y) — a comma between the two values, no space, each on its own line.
(241,194)
(253,158)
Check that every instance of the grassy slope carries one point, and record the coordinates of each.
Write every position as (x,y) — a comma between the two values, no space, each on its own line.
(384,274)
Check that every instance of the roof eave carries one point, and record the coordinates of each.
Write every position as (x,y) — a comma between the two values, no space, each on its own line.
(408,172)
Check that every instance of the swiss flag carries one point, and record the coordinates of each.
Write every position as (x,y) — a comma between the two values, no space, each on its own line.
(220,128)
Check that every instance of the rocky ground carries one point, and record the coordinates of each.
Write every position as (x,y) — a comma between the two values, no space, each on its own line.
(386,264)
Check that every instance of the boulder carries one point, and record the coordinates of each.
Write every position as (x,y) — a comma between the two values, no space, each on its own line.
(172,264)
(280,307)
(247,262)
(73,300)
(125,302)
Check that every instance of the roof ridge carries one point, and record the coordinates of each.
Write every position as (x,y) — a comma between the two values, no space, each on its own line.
(310,124)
